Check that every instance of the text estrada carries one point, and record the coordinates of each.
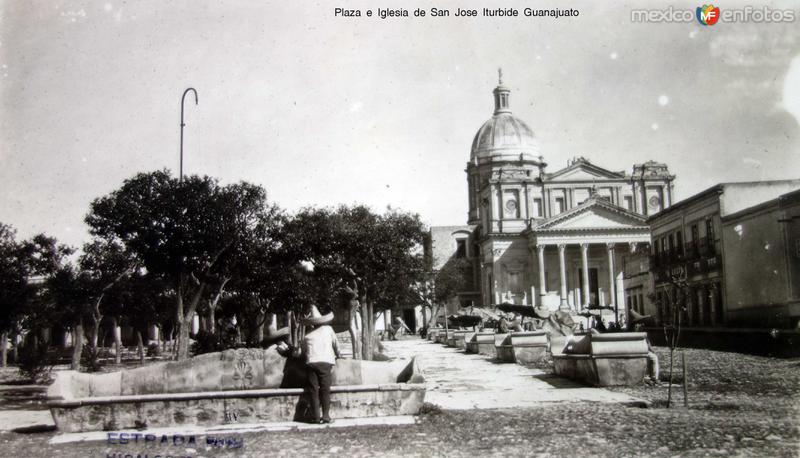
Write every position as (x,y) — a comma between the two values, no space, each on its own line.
(385,13)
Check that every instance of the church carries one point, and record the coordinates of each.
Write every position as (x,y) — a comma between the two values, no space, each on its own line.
(560,239)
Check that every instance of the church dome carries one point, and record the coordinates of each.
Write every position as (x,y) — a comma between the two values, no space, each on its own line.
(504,136)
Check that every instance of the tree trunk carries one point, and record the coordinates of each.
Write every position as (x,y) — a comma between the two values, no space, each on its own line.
(140,347)
(182,351)
(77,346)
(212,320)
(117,341)
(185,318)
(95,333)
(4,346)
(354,334)
(365,340)
(15,349)
(259,331)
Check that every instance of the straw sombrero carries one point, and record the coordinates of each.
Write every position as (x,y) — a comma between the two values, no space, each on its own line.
(316,318)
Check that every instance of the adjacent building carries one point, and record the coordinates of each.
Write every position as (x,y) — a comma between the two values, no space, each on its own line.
(738,247)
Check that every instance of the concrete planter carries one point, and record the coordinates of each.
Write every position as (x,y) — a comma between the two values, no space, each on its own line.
(481,343)
(235,386)
(486,343)
(462,337)
(504,350)
(450,338)
(529,347)
(605,360)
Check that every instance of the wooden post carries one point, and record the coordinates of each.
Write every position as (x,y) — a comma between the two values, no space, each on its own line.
(4,346)
(117,341)
(685,381)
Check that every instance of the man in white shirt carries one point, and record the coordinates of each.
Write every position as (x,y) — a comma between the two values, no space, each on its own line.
(321,351)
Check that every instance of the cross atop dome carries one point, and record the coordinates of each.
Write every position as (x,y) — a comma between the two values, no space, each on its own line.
(499,76)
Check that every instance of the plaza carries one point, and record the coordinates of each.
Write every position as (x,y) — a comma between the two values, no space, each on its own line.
(477,404)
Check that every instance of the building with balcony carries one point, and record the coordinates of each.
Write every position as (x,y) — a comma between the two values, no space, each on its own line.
(736,245)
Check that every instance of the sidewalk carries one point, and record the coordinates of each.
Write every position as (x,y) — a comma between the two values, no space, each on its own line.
(458,380)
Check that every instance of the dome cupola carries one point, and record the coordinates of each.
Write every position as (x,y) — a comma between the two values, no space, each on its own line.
(503,136)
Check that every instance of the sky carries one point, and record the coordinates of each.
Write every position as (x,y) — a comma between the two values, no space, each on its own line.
(324,110)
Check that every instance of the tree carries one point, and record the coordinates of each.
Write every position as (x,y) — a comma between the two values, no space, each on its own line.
(363,263)
(673,302)
(384,253)
(103,265)
(15,291)
(38,259)
(182,231)
(443,285)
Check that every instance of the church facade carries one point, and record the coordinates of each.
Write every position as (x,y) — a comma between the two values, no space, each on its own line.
(557,239)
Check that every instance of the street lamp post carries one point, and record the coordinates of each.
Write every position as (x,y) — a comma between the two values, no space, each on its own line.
(183,97)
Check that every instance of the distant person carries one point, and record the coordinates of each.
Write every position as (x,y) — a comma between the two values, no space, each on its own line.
(599,325)
(398,327)
(515,324)
(321,350)
(502,325)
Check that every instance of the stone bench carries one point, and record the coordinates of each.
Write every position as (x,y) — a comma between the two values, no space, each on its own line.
(234,386)
(462,337)
(610,359)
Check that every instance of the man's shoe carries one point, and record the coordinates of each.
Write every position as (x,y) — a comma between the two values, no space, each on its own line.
(326,420)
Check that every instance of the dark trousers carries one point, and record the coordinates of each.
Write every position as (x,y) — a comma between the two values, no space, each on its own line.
(319,388)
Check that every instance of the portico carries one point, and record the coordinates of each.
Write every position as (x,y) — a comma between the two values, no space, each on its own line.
(577,255)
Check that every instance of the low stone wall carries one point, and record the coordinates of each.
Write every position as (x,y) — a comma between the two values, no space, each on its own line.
(605,359)
(235,386)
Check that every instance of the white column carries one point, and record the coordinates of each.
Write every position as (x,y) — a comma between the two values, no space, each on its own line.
(585,273)
(612,299)
(542,281)
(562,265)
(495,195)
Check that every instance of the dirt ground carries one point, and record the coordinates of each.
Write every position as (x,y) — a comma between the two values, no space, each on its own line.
(738,405)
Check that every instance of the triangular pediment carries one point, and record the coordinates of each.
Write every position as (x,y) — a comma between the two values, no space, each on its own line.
(581,170)
(594,214)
